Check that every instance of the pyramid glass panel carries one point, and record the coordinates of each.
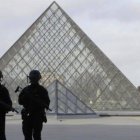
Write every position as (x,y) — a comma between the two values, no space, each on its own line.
(60,50)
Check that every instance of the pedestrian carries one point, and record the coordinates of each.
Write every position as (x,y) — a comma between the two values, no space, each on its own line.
(5,107)
(35,100)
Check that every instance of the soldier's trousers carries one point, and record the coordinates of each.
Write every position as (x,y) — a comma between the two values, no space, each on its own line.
(2,127)
(32,128)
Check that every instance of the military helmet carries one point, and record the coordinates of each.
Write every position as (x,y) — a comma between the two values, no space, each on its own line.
(34,75)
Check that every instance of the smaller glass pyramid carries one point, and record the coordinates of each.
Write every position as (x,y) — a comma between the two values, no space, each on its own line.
(64,102)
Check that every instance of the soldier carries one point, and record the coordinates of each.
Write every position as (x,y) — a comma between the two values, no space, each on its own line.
(35,100)
(5,106)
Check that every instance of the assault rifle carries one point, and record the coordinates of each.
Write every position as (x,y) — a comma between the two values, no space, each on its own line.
(34,99)
(8,107)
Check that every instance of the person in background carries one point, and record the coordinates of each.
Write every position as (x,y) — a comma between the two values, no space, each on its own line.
(5,107)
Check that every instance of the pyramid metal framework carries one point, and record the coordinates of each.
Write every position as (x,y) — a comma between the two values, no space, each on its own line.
(60,50)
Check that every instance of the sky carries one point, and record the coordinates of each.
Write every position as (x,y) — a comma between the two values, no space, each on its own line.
(113,25)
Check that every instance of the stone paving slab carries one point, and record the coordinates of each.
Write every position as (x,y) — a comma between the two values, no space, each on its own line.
(53,120)
(104,128)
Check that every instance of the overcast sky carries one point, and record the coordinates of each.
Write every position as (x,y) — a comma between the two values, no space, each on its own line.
(113,25)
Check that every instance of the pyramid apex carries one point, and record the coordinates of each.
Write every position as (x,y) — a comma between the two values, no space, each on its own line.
(54,2)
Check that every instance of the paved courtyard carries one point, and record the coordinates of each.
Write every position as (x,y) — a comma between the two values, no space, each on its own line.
(102,128)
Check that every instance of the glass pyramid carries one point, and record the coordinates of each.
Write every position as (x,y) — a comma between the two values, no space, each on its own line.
(60,50)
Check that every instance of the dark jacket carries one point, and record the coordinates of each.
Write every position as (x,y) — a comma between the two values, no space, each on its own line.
(5,100)
(34,99)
